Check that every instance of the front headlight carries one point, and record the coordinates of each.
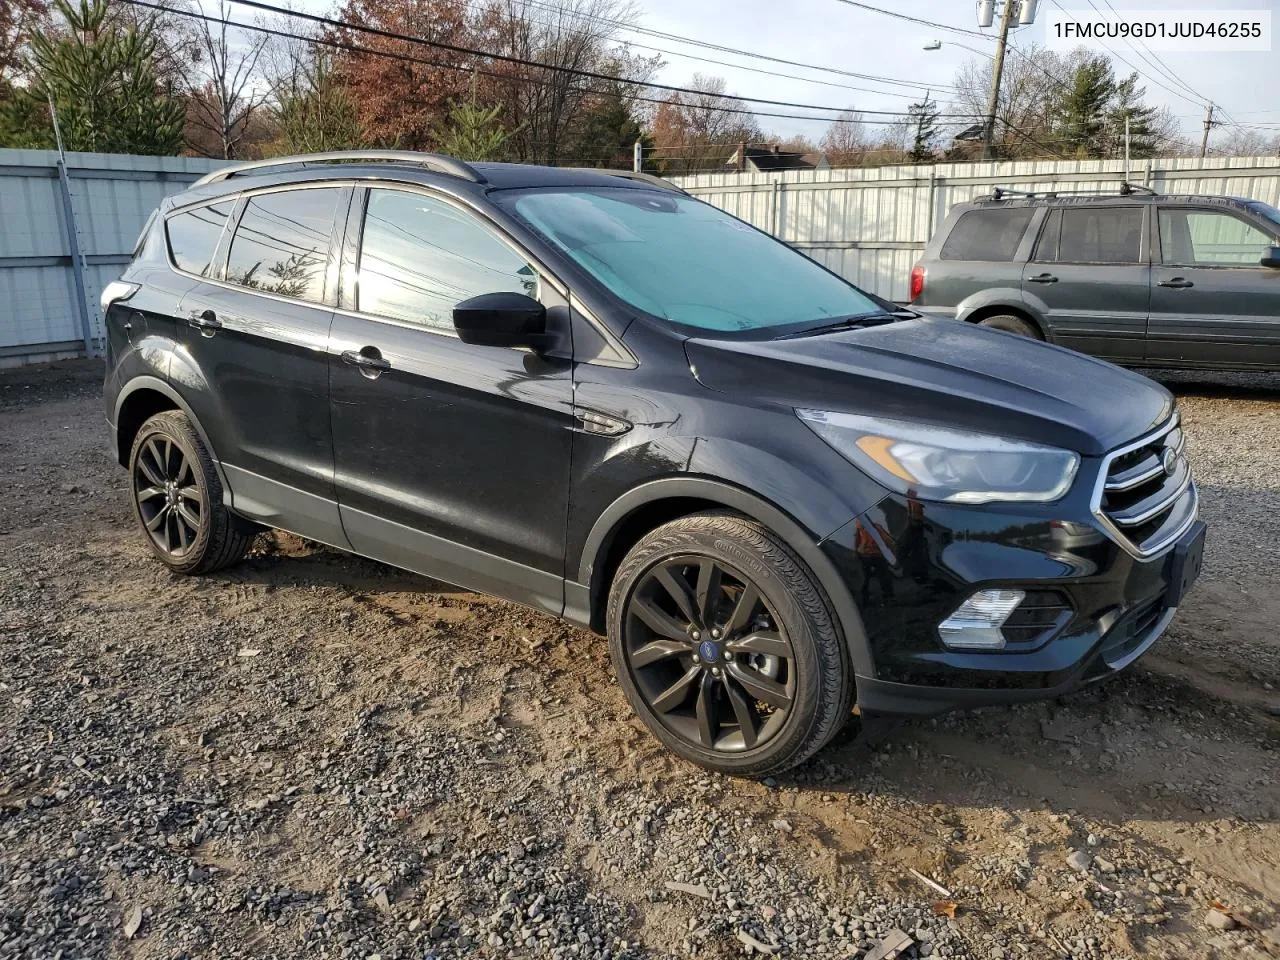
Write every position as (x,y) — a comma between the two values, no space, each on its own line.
(939,463)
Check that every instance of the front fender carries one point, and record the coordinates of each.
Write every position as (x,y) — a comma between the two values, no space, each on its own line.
(737,497)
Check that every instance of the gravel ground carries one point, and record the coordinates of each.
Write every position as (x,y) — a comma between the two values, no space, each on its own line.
(315,755)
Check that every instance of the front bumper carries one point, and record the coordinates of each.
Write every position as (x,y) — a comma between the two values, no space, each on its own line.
(909,564)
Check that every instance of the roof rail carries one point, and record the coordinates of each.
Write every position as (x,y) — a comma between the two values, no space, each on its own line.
(432,161)
(1127,189)
(635,175)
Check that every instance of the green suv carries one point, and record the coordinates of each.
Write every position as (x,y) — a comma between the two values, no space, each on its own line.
(1138,278)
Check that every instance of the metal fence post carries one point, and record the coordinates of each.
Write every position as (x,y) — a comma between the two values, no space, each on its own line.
(73,239)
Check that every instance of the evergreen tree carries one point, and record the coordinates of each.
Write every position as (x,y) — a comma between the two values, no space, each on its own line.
(24,120)
(1085,108)
(101,75)
(606,132)
(473,132)
(1128,104)
(314,111)
(923,121)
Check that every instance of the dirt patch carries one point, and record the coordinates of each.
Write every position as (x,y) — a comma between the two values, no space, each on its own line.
(311,754)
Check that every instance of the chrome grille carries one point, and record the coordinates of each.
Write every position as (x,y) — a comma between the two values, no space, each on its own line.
(1145,496)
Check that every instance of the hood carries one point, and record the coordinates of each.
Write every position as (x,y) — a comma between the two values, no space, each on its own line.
(944,372)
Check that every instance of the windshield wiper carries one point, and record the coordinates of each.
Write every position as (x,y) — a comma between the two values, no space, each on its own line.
(855,321)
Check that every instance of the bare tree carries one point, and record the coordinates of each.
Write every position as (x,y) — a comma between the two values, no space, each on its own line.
(846,141)
(224,87)
(1243,142)
(541,105)
(700,131)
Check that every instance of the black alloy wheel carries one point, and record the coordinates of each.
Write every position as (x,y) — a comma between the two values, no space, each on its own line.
(170,501)
(178,498)
(724,644)
(708,655)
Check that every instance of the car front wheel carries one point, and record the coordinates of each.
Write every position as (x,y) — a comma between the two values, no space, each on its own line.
(725,647)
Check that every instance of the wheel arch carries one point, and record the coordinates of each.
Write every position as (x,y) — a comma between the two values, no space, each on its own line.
(140,400)
(978,314)
(638,511)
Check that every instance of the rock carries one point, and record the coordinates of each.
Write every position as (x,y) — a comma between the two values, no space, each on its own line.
(894,944)
(781,825)
(1106,866)
(759,946)
(132,922)
(1079,861)
(693,889)
(1217,920)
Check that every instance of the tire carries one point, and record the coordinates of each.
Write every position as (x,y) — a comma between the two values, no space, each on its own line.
(1011,324)
(779,685)
(171,473)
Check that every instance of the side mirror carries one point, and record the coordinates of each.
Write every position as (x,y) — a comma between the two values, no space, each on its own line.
(1271,258)
(503,320)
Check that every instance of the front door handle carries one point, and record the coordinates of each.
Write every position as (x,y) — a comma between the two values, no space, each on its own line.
(1178,283)
(369,361)
(206,321)
(1043,278)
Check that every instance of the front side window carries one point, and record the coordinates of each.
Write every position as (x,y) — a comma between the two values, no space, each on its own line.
(193,236)
(1100,235)
(673,257)
(1210,238)
(281,244)
(420,257)
(987,235)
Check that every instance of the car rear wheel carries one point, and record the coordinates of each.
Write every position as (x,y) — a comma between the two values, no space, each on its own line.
(1011,324)
(724,646)
(177,499)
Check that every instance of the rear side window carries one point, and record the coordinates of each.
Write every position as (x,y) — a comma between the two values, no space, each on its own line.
(1100,235)
(987,235)
(194,235)
(281,244)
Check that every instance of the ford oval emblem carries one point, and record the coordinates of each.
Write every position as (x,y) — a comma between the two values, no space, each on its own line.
(708,650)
(1169,460)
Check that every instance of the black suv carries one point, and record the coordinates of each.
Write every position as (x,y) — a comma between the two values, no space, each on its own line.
(1138,278)
(594,395)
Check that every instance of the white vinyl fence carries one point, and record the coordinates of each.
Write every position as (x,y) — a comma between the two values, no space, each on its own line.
(871,224)
(65,232)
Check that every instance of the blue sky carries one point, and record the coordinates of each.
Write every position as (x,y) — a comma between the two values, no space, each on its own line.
(831,33)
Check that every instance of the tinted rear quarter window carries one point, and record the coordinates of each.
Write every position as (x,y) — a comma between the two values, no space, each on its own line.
(281,244)
(194,234)
(1101,235)
(991,235)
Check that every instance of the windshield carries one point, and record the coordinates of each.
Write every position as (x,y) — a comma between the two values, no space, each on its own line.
(685,261)
(1268,211)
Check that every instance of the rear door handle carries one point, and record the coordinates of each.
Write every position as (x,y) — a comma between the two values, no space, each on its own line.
(206,321)
(369,360)
(1043,278)
(1178,283)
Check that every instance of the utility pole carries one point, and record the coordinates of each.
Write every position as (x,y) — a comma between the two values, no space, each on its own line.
(1126,149)
(1208,125)
(997,74)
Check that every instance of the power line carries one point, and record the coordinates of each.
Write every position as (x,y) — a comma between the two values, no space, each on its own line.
(677,38)
(903,16)
(1153,58)
(520,61)
(463,68)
